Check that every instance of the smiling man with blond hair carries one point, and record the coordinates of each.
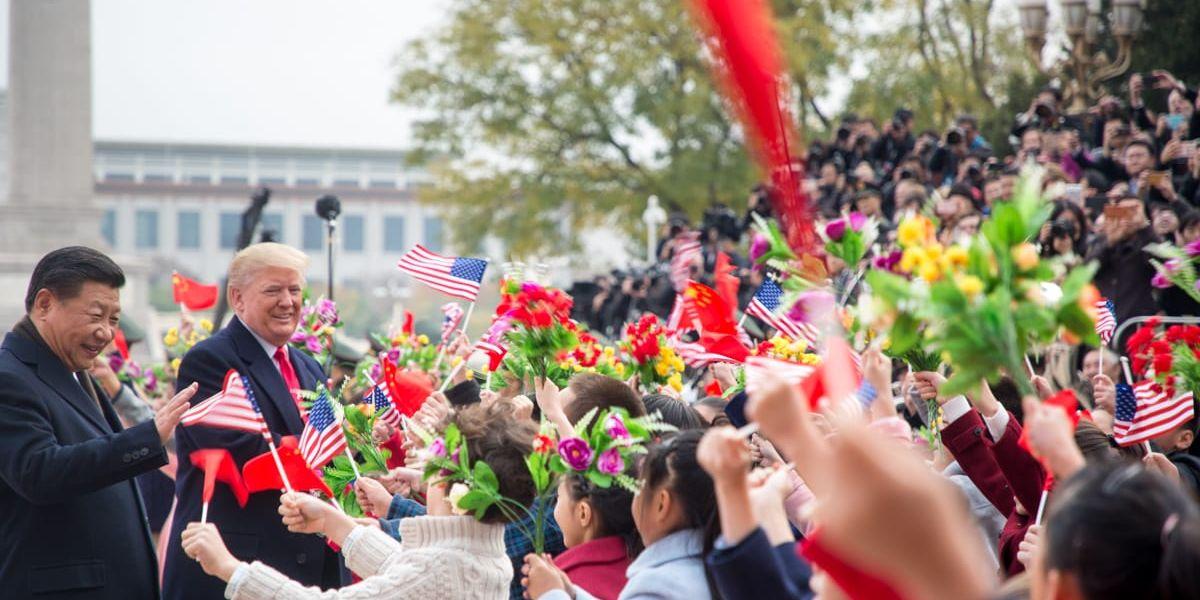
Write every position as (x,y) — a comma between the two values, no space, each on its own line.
(266,286)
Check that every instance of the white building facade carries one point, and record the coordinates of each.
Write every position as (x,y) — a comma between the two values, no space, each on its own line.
(179,206)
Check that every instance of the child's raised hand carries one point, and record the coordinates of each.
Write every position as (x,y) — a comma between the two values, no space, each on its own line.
(724,454)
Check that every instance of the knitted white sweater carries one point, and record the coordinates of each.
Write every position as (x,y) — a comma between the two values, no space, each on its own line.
(440,557)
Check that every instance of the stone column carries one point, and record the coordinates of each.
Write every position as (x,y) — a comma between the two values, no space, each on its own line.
(49,202)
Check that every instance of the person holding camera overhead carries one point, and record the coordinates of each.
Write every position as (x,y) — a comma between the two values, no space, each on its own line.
(895,143)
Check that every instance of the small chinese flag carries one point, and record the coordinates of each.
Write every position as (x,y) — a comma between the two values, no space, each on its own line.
(192,294)
(262,474)
(218,464)
(408,389)
(713,313)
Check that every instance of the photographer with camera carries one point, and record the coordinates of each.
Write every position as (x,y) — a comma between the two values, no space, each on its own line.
(943,165)
(895,143)
(1044,113)
(831,190)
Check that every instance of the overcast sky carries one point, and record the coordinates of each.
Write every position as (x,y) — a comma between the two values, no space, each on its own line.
(261,71)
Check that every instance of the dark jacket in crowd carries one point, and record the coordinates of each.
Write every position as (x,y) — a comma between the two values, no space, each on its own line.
(888,151)
(256,531)
(1124,274)
(752,568)
(72,523)
(1189,471)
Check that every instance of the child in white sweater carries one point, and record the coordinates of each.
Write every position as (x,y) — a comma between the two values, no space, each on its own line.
(442,555)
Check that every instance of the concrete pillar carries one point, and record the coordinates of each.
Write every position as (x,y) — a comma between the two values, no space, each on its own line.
(49,201)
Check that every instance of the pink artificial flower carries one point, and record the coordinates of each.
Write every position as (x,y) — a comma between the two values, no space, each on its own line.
(614,426)
(1193,248)
(438,448)
(812,306)
(1160,281)
(610,462)
(857,221)
(576,453)
(835,229)
(313,344)
(1172,265)
(758,247)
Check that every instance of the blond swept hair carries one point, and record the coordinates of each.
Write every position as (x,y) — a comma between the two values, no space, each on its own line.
(247,263)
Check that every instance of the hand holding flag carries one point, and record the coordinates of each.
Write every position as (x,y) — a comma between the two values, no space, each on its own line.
(218,464)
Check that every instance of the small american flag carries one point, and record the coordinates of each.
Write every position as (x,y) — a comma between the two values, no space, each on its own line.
(453,276)
(385,411)
(231,408)
(675,319)
(1106,320)
(766,304)
(687,248)
(323,437)
(758,366)
(695,355)
(452,316)
(1144,413)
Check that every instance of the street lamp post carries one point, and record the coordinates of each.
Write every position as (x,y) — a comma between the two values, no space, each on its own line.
(654,216)
(1086,66)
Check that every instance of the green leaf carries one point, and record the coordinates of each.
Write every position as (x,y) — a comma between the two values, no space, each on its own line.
(476,500)
(485,478)
(903,335)
(600,479)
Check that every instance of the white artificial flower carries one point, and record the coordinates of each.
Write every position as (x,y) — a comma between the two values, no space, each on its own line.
(457,491)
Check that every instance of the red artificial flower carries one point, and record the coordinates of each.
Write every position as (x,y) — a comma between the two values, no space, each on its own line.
(543,444)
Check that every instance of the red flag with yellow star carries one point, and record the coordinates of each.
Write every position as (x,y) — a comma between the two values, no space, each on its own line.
(707,307)
(192,294)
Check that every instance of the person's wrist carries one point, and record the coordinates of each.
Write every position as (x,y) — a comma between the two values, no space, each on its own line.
(338,526)
(227,568)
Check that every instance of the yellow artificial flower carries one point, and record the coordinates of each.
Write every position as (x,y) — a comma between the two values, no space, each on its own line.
(911,232)
(675,381)
(423,339)
(206,325)
(608,351)
(970,285)
(956,256)
(930,272)
(662,368)
(620,367)
(454,361)
(934,251)
(577,367)
(913,258)
(564,365)
(367,409)
(175,364)
(193,337)
(171,338)
(1025,256)
(678,364)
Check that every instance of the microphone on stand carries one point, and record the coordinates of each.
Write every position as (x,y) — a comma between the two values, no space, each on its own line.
(328,208)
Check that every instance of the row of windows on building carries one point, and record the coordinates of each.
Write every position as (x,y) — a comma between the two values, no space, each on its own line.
(351,230)
(261,180)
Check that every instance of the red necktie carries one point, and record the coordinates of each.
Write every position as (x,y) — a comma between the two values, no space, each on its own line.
(289,377)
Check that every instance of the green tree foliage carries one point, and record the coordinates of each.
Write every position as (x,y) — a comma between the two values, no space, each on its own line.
(585,109)
(941,58)
(1168,41)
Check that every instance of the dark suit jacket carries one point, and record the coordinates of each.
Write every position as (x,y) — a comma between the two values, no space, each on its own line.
(255,532)
(72,523)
